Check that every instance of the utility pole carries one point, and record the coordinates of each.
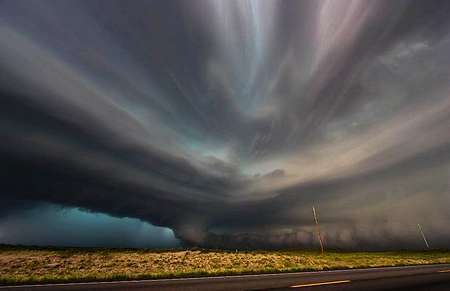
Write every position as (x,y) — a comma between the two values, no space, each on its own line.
(423,236)
(318,228)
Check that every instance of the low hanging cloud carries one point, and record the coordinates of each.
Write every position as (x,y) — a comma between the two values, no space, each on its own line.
(227,120)
(49,224)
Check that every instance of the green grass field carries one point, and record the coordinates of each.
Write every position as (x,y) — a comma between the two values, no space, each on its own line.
(20,265)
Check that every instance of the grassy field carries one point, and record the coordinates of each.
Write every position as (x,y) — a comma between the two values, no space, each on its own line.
(38,265)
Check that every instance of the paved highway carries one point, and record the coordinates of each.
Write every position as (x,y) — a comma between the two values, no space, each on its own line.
(432,277)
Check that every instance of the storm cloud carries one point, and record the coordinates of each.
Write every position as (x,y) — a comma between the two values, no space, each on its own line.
(226,120)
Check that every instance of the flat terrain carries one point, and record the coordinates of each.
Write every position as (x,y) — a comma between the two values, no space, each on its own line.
(45,265)
(408,278)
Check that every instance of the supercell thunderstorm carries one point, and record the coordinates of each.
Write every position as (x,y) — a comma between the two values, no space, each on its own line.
(226,120)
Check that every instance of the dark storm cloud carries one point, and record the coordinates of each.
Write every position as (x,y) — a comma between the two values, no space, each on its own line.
(227,120)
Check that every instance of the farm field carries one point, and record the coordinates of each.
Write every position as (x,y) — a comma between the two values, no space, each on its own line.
(21,265)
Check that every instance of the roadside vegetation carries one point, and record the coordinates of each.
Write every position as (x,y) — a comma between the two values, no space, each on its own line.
(21,265)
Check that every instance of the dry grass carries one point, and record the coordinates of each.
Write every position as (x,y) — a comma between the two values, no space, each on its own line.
(22,265)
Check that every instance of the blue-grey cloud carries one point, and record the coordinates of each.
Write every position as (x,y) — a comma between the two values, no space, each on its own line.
(52,225)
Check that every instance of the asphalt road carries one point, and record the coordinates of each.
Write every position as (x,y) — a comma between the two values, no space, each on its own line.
(432,277)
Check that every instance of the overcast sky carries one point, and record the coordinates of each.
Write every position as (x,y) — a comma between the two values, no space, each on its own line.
(224,122)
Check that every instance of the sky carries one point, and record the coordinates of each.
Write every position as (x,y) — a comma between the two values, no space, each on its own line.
(220,123)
